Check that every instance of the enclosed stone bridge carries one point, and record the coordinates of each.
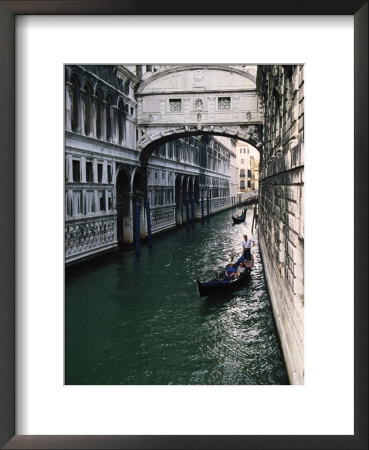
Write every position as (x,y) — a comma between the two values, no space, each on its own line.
(198,100)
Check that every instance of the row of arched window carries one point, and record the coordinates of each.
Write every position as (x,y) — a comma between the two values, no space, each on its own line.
(92,115)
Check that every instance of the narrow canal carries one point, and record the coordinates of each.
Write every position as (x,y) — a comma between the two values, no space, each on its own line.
(141,321)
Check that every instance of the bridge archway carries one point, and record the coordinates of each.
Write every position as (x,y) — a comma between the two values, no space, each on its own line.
(252,136)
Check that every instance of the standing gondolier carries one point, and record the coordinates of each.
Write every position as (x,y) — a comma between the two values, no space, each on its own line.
(246,247)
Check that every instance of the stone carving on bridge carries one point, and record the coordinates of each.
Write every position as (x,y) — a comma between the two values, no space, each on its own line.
(199,78)
(198,104)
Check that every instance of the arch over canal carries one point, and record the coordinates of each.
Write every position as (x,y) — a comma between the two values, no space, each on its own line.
(251,134)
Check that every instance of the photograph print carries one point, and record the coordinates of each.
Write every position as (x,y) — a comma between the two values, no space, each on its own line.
(184,224)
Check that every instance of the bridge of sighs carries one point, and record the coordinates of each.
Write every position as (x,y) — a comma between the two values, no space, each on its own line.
(198,100)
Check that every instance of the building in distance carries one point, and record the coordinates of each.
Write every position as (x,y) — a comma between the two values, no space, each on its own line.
(247,161)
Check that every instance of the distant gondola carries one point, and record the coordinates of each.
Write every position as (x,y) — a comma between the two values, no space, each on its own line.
(219,284)
(239,219)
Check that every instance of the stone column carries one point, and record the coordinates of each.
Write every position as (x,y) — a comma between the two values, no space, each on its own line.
(97,202)
(105,172)
(69,168)
(128,221)
(139,107)
(103,120)
(114,125)
(69,205)
(84,206)
(94,164)
(83,169)
(211,108)
(106,200)
(93,115)
(114,173)
(83,99)
(68,113)
(110,119)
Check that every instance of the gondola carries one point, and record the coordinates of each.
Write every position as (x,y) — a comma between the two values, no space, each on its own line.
(219,284)
(238,219)
(241,218)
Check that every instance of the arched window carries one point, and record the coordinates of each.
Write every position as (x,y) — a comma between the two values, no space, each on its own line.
(74,104)
(98,115)
(87,103)
(121,121)
(108,118)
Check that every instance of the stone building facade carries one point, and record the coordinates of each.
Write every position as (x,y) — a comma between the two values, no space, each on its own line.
(231,144)
(100,138)
(193,170)
(281,205)
(105,177)
(248,166)
(254,169)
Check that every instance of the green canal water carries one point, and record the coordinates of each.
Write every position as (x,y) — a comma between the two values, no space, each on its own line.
(141,321)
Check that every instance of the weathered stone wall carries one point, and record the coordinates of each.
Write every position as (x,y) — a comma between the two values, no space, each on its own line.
(281,206)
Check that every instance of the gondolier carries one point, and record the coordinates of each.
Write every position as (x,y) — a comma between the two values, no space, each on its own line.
(246,246)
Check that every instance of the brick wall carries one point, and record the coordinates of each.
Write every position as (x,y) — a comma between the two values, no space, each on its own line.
(281,206)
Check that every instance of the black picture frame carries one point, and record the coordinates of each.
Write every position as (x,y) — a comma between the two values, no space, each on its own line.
(8,10)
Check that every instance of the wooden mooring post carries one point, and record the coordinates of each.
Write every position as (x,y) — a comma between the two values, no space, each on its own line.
(138,250)
(193,212)
(254,218)
(148,219)
(187,215)
(202,209)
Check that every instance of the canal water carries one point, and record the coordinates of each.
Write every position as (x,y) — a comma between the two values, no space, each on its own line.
(141,321)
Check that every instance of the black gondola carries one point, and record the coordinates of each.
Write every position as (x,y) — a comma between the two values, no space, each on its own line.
(238,219)
(241,218)
(219,284)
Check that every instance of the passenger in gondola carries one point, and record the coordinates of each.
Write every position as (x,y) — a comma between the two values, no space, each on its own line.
(241,269)
(230,272)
